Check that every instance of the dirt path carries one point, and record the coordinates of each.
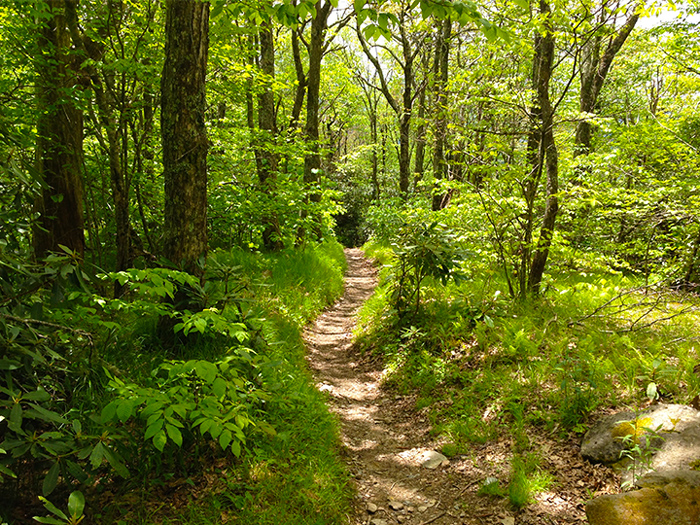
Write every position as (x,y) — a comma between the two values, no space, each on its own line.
(387,439)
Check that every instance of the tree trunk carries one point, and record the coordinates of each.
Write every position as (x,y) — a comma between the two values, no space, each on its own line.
(544,60)
(440,73)
(183,132)
(59,148)
(594,70)
(312,161)
(105,110)
(266,159)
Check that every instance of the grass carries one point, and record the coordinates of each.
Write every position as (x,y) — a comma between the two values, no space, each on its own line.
(297,476)
(475,358)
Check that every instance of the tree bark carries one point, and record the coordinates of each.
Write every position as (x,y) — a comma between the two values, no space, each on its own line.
(312,161)
(594,70)
(440,73)
(544,60)
(59,147)
(185,143)
(266,159)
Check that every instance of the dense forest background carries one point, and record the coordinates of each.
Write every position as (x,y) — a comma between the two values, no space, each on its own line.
(175,177)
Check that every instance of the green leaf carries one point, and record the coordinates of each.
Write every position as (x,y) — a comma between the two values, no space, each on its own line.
(97,455)
(49,415)
(125,409)
(38,395)
(51,479)
(116,463)
(225,438)
(153,428)
(525,4)
(174,434)
(76,503)
(206,370)
(159,440)
(50,521)
(219,387)
(236,448)
(15,422)
(109,411)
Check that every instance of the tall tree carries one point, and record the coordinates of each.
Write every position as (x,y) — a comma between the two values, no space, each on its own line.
(410,45)
(542,148)
(59,148)
(266,158)
(317,42)
(597,57)
(440,76)
(185,143)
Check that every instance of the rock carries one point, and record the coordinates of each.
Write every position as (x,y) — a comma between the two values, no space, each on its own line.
(378,521)
(422,508)
(372,508)
(664,500)
(445,463)
(395,505)
(603,443)
(508,521)
(432,459)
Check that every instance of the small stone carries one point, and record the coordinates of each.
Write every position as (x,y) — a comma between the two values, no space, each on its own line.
(378,521)
(372,508)
(422,508)
(395,505)
(445,463)
(432,460)
(509,520)
(399,519)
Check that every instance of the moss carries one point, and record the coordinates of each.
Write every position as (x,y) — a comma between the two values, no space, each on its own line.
(633,429)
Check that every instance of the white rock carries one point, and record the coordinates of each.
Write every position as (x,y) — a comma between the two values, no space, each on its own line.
(432,460)
(372,508)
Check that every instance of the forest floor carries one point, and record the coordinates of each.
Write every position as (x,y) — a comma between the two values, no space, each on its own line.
(386,437)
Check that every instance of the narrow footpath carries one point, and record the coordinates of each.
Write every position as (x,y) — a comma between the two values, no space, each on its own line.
(385,437)
(392,455)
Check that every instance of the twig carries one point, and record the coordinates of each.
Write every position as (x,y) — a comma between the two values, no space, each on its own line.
(46,323)
(434,518)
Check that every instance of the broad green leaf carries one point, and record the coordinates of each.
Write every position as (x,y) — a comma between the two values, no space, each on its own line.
(37,395)
(125,409)
(206,370)
(51,479)
(109,411)
(174,434)
(97,455)
(15,422)
(153,429)
(159,440)
(76,503)
(219,387)
(48,415)
(49,520)
(225,438)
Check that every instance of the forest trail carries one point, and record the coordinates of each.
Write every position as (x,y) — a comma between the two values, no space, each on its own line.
(386,438)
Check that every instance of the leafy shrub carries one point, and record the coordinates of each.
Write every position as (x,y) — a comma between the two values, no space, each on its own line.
(186,396)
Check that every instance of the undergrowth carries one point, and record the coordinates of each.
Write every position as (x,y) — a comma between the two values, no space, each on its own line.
(226,427)
(485,366)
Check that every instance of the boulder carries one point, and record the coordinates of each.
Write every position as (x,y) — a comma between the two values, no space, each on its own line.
(672,497)
(677,425)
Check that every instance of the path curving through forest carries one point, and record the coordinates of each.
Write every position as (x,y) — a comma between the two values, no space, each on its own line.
(387,439)
(383,435)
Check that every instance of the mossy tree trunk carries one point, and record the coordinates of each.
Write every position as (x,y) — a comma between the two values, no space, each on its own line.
(59,147)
